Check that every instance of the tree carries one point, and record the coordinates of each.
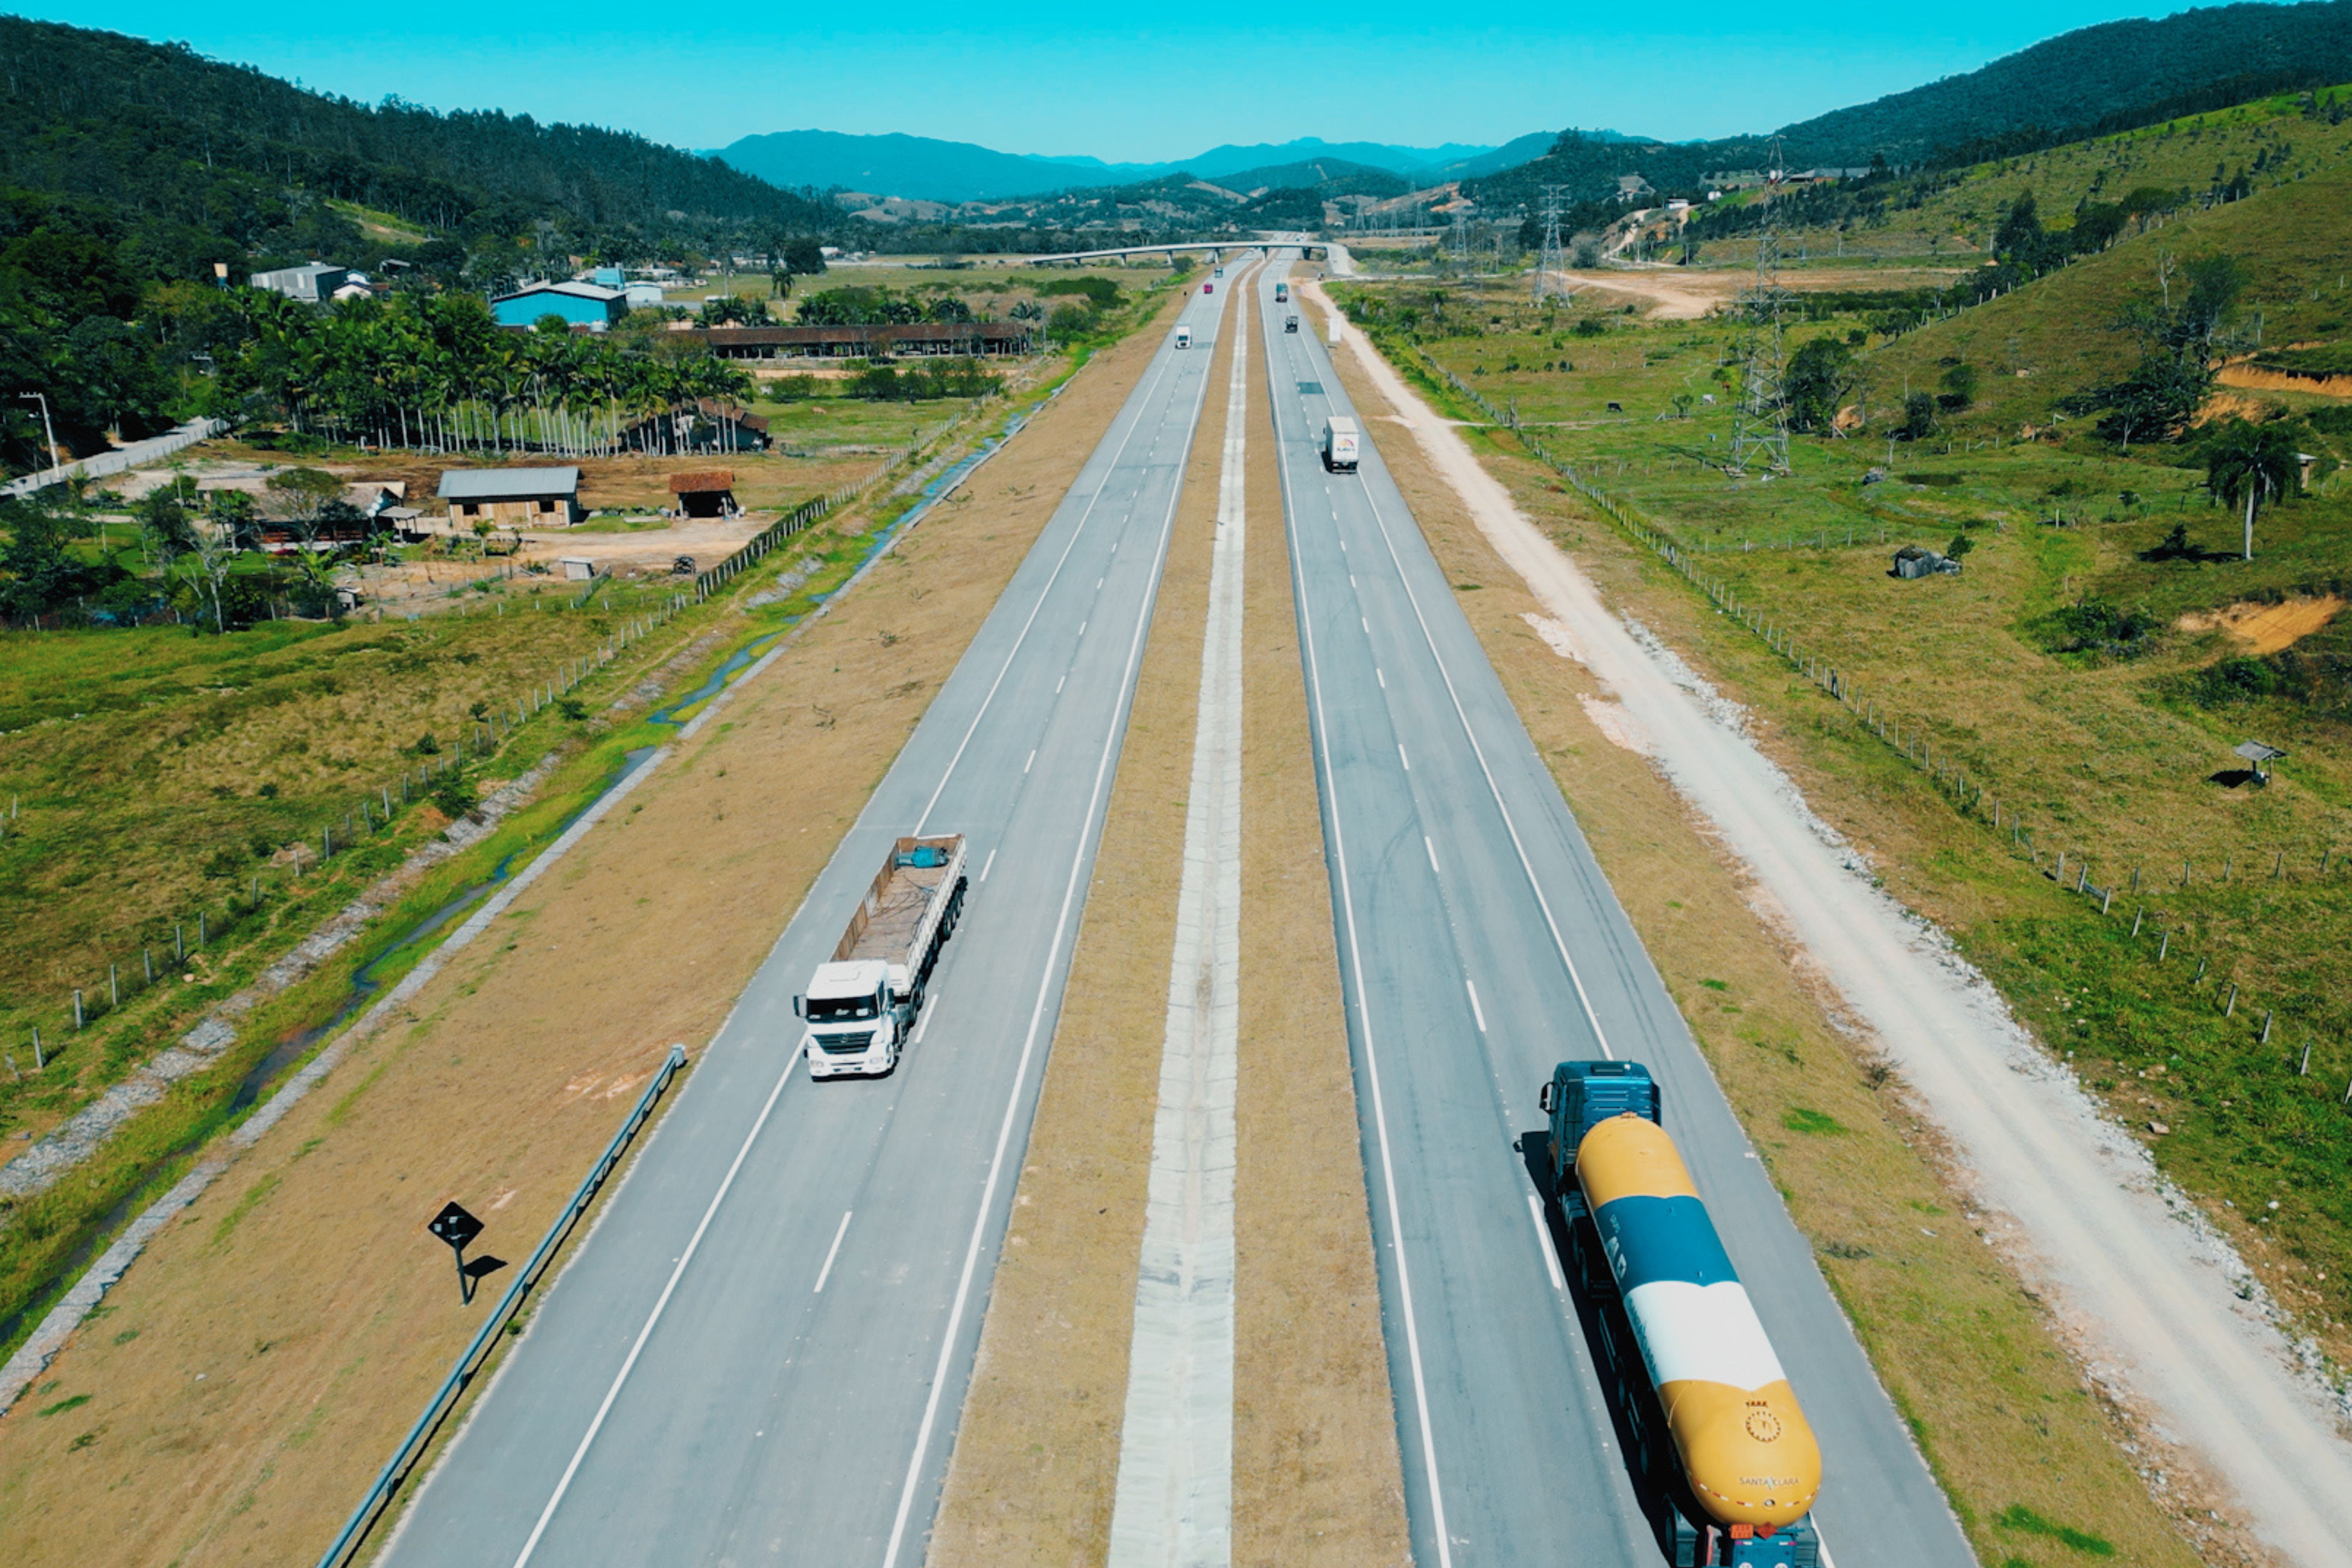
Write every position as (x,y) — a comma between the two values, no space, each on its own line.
(301,497)
(1820,374)
(2250,464)
(1919,416)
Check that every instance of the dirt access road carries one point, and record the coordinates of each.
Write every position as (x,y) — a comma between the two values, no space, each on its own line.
(2148,1292)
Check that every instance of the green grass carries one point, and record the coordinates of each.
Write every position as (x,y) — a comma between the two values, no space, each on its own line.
(2037,345)
(2111,755)
(203,704)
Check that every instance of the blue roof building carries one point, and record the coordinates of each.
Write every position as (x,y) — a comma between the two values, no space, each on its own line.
(608,278)
(581,304)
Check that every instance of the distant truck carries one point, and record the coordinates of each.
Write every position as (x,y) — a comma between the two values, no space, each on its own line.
(1715,1427)
(1340,443)
(1183,337)
(1290,322)
(1281,292)
(862,1004)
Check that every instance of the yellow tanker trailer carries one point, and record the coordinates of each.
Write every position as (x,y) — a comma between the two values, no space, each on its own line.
(1745,1467)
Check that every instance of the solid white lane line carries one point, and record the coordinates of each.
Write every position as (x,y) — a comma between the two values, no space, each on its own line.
(669,1290)
(1543,1245)
(1426,844)
(1476,1011)
(1029,1040)
(1160,373)
(989,867)
(1173,1502)
(1372,1052)
(834,1251)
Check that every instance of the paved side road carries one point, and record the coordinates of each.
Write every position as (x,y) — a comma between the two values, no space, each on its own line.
(1480,943)
(761,1353)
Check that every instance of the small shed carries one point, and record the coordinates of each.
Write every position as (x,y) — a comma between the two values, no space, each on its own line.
(511,498)
(1918,560)
(2256,753)
(705,492)
(578,568)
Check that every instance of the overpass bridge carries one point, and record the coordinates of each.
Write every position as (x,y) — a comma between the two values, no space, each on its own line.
(1079,258)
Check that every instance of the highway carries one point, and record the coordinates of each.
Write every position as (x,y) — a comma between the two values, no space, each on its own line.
(760,1352)
(1479,944)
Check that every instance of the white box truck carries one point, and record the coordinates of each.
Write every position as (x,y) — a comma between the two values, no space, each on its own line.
(1341,442)
(862,1004)
(1183,337)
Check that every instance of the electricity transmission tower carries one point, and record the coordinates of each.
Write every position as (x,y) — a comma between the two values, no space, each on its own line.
(1760,430)
(1551,263)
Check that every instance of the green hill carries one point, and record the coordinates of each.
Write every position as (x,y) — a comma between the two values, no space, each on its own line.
(2106,78)
(131,170)
(2054,338)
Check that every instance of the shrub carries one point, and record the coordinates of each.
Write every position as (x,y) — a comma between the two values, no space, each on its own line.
(453,794)
(2093,626)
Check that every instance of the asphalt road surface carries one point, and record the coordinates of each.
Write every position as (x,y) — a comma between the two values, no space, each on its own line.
(1480,944)
(761,1352)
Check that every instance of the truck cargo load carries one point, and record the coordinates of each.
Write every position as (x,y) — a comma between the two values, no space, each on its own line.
(1717,1425)
(1340,443)
(862,1003)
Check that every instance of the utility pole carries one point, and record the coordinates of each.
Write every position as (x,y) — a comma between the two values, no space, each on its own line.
(1759,431)
(47,435)
(1550,264)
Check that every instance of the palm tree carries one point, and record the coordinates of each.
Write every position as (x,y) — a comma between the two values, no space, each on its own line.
(2252,464)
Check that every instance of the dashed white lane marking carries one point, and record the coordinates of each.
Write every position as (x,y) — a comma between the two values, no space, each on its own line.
(1401,757)
(1058,685)
(1030,764)
(989,867)
(1543,1245)
(661,1303)
(834,1251)
(1426,844)
(1383,678)
(923,1024)
(1476,1011)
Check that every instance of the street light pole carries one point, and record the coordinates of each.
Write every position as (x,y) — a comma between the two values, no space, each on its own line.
(47,435)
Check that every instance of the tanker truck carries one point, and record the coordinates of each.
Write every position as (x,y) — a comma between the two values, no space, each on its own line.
(862,1004)
(1715,1427)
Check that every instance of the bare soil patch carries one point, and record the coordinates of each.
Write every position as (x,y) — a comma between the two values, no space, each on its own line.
(250,1375)
(2266,629)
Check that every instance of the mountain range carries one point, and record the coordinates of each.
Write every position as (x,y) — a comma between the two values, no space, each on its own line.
(928,169)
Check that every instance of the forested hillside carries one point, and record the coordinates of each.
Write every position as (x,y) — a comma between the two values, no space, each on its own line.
(2109,77)
(129,169)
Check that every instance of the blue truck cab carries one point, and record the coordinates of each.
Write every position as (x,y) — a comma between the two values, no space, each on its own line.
(1582,1095)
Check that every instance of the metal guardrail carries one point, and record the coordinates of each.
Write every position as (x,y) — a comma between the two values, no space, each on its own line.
(406,1458)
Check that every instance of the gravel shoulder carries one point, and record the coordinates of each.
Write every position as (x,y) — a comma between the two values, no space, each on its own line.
(2168,1322)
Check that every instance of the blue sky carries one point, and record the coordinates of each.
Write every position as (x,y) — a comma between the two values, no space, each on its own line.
(1105,79)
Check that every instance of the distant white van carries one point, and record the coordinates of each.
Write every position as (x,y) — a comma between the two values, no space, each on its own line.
(1183,337)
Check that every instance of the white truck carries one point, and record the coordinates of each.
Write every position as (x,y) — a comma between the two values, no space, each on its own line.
(1341,442)
(1183,337)
(862,1004)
